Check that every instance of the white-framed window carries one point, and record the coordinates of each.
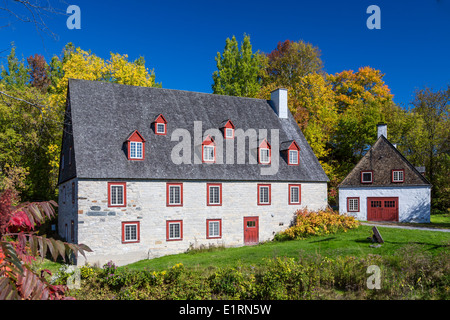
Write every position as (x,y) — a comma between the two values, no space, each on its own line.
(175,230)
(116,194)
(398,176)
(263,194)
(136,150)
(214,194)
(214,228)
(208,153)
(229,133)
(293,157)
(352,204)
(130,231)
(366,176)
(294,194)
(160,128)
(175,194)
(264,155)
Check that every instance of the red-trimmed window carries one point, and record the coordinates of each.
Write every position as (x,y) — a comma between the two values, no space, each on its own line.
(214,194)
(264,194)
(117,194)
(228,130)
(131,231)
(353,204)
(293,154)
(367,176)
(264,152)
(213,228)
(174,194)
(160,125)
(209,150)
(295,194)
(136,146)
(398,175)
(174,230)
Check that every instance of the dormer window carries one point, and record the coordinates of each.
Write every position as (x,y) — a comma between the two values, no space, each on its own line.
(264,152)
(366,176)
(208,150)
(160,125)
(398,175)
(136,150)
(228,129)
(291,151)
(161,128)
(293,157)
(136,146)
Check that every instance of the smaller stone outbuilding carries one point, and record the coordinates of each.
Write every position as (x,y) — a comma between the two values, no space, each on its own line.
(384,186)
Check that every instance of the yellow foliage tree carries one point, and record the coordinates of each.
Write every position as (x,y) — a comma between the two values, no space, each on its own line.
(80,64)
(366,86)
(87,66)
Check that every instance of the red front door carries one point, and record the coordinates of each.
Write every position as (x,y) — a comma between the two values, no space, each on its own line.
(382,209)
(251,233)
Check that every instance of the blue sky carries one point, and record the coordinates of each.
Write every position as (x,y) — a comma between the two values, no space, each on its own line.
(180,39)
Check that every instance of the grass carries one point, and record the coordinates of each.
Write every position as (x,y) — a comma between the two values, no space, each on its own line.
(351,243)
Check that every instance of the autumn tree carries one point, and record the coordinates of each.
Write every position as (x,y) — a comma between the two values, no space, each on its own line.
(39,72)
(364,85)
(291,61)
(238,69)
(80,64)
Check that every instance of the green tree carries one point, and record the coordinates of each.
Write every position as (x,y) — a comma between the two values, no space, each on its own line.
(238,69)
(16,75)
(431,140)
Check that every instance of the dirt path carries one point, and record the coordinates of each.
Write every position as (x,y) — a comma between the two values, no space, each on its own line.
(403,227)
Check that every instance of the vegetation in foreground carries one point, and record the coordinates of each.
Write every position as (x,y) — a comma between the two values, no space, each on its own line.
(414,264)
(410,273)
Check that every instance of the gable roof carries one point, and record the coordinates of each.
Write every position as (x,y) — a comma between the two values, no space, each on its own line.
(382,158)
(103,115)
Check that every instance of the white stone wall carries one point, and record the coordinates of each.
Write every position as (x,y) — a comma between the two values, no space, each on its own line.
(413,201)
(99,226)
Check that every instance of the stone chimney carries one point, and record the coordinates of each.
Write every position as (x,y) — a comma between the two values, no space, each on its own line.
(382,130)
(279,102)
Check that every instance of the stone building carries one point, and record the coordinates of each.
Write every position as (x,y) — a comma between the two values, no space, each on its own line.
(384,186)
(147,172)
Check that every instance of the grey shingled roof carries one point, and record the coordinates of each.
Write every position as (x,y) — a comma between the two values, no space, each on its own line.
(382,158)
(104,114)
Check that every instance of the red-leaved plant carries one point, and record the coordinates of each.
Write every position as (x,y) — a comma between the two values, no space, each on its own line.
(20,245)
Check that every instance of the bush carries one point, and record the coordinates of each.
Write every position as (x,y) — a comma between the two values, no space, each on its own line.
(308,223)
(410,273)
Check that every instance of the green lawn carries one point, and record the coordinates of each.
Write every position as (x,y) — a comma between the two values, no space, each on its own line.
(353,243)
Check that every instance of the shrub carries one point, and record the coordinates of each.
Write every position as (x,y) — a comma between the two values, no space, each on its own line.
(308,223)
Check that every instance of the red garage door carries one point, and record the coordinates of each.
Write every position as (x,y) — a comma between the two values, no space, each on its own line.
(382,209)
